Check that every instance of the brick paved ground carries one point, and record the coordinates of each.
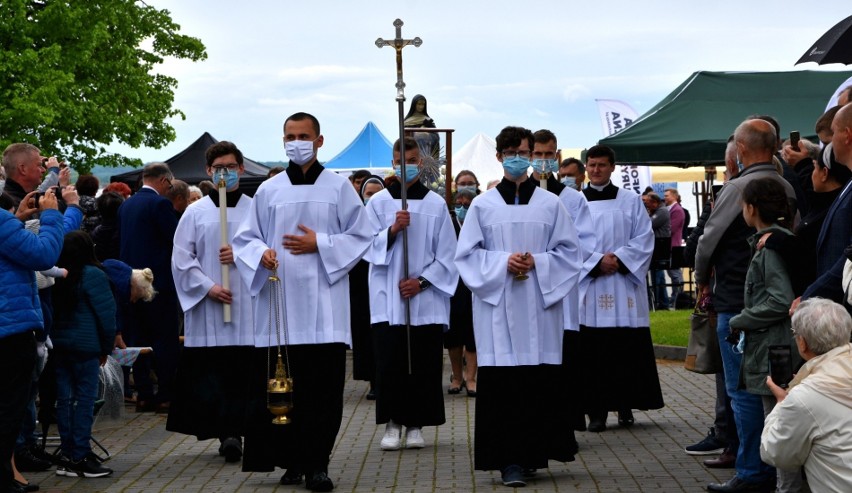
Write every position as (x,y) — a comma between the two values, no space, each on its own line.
(647,457)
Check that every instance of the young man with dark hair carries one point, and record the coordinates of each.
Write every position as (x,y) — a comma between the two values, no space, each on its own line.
(216,351)
(614,322)
(409,392)
(309,227)
(544,163)
(518,253)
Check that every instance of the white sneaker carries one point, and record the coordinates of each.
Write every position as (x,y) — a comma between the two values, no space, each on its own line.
(393,437)
(414,438)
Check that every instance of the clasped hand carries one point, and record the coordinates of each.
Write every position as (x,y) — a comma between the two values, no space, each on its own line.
(518,264)
(609,264)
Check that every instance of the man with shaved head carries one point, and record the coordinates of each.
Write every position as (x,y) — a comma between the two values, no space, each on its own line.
(724,248)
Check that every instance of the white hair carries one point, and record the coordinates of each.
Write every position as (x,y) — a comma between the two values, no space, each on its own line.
(823,324)
(143,280)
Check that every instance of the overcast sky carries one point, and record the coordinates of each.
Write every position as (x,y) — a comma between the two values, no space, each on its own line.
(483,64)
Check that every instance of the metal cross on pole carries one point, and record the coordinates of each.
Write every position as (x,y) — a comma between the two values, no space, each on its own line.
(398,43)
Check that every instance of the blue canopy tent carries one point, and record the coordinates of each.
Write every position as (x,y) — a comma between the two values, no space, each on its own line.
(370,150)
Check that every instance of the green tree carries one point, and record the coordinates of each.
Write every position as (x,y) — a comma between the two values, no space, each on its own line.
(79,75)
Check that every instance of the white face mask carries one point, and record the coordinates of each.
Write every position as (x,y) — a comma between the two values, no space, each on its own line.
(2,184)
(300,151)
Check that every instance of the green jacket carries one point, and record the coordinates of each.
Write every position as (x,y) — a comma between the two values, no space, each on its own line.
(765,318)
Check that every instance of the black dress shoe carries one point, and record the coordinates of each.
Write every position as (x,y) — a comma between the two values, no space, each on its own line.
(727,460)
(625,418)
(597,423)
(319,481)
(231,449)
(27,487)
(737,485)
(25,461)
(292,476)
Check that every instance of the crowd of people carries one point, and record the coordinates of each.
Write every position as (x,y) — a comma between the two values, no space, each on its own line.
(539,282)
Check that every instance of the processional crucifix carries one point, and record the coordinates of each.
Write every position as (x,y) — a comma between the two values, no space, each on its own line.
(398,43)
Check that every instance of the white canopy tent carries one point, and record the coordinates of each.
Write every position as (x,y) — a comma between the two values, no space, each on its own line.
(479,155)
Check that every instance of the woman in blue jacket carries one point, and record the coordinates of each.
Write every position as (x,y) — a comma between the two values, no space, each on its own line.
(83,336)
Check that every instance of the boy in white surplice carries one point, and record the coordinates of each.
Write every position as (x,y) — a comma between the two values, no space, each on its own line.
(410,393)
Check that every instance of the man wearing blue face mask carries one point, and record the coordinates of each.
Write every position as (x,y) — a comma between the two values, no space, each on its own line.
(215,351)
(309,226)
(409,393)
(544,163)
(519,254)
(572,173)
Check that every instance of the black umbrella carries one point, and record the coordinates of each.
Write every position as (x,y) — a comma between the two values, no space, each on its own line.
(835,46)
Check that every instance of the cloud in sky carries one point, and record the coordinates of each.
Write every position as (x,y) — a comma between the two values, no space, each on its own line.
(482,64)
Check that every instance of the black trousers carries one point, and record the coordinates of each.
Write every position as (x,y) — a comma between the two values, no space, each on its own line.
(17,361)
(415,399)
(319,374)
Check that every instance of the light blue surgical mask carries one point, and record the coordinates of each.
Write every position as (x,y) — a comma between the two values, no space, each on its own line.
(571,182)
(461,211)
(542,166)
(232,179)
(516,166)
(740,347)
(740,165)
(411,172)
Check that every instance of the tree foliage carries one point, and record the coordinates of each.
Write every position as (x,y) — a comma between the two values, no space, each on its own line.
(79,75)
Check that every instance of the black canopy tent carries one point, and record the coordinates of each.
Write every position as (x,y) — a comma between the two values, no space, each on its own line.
(188,165)
(691,125)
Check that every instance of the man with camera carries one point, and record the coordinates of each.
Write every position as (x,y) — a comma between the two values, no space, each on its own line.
(25,171)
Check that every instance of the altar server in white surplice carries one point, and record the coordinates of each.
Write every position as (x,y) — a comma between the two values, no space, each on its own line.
(619,369)
(414,398)
(309,225)
(513,230)
(211,398)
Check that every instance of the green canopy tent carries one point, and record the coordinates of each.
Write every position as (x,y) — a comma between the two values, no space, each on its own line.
(691,126)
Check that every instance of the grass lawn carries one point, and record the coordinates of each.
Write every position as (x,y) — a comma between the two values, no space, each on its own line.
(670,328)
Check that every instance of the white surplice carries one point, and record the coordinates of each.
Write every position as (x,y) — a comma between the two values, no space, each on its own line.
(315,285)
(431,248)
(518,322)
(196,268)
(622,227)
(578,208)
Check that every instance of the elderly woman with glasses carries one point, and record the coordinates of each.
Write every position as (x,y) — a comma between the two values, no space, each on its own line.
(811,424)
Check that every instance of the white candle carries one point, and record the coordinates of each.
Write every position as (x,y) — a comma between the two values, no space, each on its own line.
(223,236)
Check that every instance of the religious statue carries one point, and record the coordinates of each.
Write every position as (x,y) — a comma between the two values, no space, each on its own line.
(418,117)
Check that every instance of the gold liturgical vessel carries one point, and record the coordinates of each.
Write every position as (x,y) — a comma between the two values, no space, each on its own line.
(522,276)
(279,388)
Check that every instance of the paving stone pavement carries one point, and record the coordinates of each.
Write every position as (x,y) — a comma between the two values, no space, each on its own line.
(646,457)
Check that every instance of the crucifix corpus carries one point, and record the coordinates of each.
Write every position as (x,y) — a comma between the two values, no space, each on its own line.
(398,43)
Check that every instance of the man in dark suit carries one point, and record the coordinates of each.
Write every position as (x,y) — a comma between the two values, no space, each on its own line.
(836,232)
(147,224)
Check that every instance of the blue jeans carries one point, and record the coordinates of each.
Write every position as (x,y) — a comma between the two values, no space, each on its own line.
(660,291)
(748,410)
(76,391)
